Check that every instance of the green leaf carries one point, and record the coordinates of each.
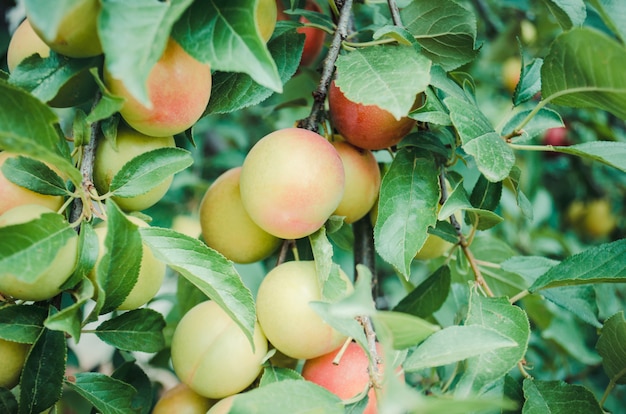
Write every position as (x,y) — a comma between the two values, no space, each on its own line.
(42,376)
(445,29)
(508,320)
(21,323)
(580,300)
(135,330)
(568,332)
(612,348)
(539,123)
(223,34)
(432,111)
(558,397)
(530,82)
(426,298)
(108,395)
(295,396)
(130,373)
(377,76)
(232,91)
(405,330)
(273,374)
(575,72)
(455,344)
(494,158)
(605,263)
(612,12)
(37,135)
(485,194)
(69,319)
(568,13)
(409,196)
(323,255)
(145,171)
(34,175)
(521,199)
(208,270)
(8,402)
(108,104)
(606,152)
(399,34)
(88,246)
(133,36)
(529,267)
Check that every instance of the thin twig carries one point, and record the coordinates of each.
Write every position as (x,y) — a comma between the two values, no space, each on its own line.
(395,13)
(374,372)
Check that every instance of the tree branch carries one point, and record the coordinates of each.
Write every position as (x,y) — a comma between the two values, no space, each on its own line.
(395,13)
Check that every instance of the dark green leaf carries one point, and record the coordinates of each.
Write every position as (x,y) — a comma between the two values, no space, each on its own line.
(612,348)
(34,175)
(130,373)
(558,397)
(426,298)
(485,194)
(8,402)
(530,82)
(580,300)
(69,319)
(21,323)
(135,330)
(108,395)
(568,13)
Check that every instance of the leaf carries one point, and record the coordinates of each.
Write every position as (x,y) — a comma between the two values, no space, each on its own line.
(605,263)
(485,194)
(508,320)
(580,300)
(232,91)
(145,171)
(21,323)
(377,76)
(208,270)
(135,330)
(323,255)
(558,397)
(612,348)
(455,344)
(273,374)
(530,82)
(88,246)
(35,136)
(108,104)
(576,72)
(69,319)
(42,377)
(568,13)
(606,152)
(446,31)
(295,396)
(407,206)
(567,331)
(130,373)
(34,175)
(405,330)
(493,156)
(426,298)
(522,201)
(8,403)
(539,123)
(108,395)
(224,34)
(133,36)
(612,12)
(529,267)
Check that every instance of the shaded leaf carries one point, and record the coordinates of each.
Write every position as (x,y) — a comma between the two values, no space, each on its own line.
(606,152)
(612,348)
(22,323)
(108,395)
(428,296)
(558,397)
(69,319)
(612,12)
(405,330)
(568,13)
(135,330)
(540,123)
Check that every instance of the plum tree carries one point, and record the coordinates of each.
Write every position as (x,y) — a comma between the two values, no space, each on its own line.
(46,284)
(179,88)
(13,356)
(13,195)
(291,181)
(227,226)
(111,155)
(77,34)
(265,18)
(314,37)
(151,272)
(211,354)
(181,399)
(362,181)
(366,126)
(283,310)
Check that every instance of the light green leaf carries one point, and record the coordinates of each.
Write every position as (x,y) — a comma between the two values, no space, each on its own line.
(530,81)
(493,156)
(69,319)
(529,267)
(135,330)
(540,122)
(522,201)
(576,72)
(580,300)
(132,374)
(405,330)
(378,76)
(273,374)
(568,13)
(108,104)
(613,13)
(454,344)
(468,119)
(22,323)
(612,348)
(558,397)
(34,175)
(108,395)
(606,152)
(208,270)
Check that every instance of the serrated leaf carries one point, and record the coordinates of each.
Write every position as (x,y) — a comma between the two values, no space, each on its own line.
(405,330)
(133,36)
(208,270)
(568,13)
(493,156)
(432,111)
(455,344)
(530,82)
(446,31)
(428,296)
(108,395)
(378,76)
(34,175)
(273,374)
(42,377)
(485,194)
(508,320)
(612,12)
(224,34)
(8,402)
(147,170)
(540,123)
(69,319)
(467,118)
(295,396)
(598,264)
(575,72)
(409,196)
(22,323)
(397,33)
(612,348)
(529,267)
(87,255)
(606,152)
(483,219)
(130,373)
(135,330)
(580,300)
(522,201)
(558,397)
(232,91)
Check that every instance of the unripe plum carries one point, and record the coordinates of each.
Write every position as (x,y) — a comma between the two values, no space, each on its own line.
(181,400)
(433,247)
(178,87)
(24,43)
(227,226)
(511,72)
(265,17)
(47,284)
(598,220)
(111,157)
(283,310)
(212,355)
(151,272)
(13,356)
(366,126)
(223,406)
(291,182)
(13,195)
(362,181)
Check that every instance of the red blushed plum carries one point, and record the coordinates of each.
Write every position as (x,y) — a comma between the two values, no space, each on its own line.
(314,37)
(291,181)
(179,88)
(366,126)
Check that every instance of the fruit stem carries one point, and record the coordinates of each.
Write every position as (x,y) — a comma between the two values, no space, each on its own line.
(519,296)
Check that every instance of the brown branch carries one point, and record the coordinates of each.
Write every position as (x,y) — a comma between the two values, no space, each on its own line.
(370,335)
(395,13)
